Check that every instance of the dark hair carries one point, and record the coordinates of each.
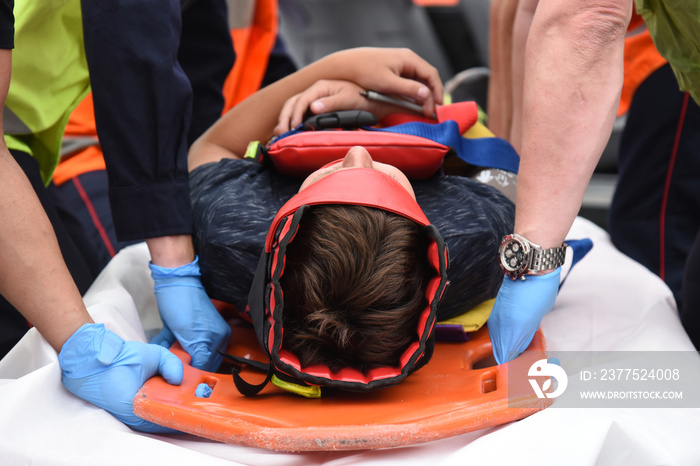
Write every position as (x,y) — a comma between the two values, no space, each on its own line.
(354,287)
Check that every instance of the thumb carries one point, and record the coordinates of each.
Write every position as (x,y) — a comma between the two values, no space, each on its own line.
(170,367)
(331,103)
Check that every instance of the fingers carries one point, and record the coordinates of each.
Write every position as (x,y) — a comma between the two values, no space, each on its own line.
(203,350)
(499,352)
(399,72)
(202,356)
(170,367)
(165,337)
(518,311)
(418,70)
(323,96)
(296,108)
(425,95)
(506,345)
(283,122)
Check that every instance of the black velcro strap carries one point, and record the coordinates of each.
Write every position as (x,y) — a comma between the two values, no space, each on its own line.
(248,389)
(245,361)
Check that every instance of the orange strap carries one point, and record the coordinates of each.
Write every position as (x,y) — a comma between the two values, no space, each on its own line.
(253,45)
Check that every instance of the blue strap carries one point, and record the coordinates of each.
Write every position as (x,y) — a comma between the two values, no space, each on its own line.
(483,152)
(579,248)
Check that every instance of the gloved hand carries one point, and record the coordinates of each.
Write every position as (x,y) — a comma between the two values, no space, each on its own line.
(100,367)
(518,311)
(189,316)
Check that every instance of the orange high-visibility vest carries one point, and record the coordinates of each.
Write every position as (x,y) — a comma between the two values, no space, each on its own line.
(641,60)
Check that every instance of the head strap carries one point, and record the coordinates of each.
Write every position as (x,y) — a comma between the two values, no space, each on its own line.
(356,186)
(353,186)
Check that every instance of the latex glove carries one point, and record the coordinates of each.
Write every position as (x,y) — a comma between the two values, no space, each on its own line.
(518,311)
(189,316)
(100,367)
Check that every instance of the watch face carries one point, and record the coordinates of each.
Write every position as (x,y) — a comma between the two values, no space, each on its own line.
(514,256)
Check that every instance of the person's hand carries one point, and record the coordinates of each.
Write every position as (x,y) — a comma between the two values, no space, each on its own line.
(325,96)
(393,71)
(518,311)
(100,367)
(188,315)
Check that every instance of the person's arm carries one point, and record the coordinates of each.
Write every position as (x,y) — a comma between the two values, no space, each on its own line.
(572,82)
(33,275)
(521,28)
(500,89)
(395,71)
(571,88)
(96,364)
(143,107)
(142,102)
(171,251)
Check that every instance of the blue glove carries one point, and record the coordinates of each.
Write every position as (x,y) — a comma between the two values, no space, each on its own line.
(100,367)
(189,316)
(518,311)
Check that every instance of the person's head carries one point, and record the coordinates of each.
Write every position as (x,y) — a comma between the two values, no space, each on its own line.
(355,279)
(351,277)
(354,287)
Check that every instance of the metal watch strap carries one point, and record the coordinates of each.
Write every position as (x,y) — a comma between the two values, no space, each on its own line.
(545,259)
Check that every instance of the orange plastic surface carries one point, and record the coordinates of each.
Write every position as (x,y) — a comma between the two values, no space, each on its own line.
(447,397)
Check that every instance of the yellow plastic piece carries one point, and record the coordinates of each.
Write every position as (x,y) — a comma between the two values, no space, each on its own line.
(478,130)
(474,319)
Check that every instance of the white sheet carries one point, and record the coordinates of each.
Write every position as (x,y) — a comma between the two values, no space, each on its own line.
(608,303)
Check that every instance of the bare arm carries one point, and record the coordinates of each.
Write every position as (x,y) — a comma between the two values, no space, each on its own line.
(573,76)
(171,251)
(521,28)
(398,71)
(33,276)
(500,98)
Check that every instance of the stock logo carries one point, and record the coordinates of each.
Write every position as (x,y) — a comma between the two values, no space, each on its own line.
(543,368)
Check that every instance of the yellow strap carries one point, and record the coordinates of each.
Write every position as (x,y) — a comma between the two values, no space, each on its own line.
(474,319)
(307,391)
(251,151)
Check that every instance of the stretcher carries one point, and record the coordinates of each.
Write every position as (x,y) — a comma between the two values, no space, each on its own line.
(460,390)
(608,303)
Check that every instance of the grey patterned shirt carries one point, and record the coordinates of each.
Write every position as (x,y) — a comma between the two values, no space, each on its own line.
(234,202)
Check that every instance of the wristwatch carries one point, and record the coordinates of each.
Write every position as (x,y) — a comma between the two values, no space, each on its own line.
(520,257)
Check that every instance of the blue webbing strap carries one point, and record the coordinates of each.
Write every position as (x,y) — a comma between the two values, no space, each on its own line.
(489,152)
